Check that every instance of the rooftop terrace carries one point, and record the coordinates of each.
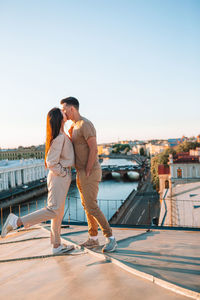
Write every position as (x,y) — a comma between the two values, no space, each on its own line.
(155,264)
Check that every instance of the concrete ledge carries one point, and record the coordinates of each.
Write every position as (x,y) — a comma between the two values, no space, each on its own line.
(177,289)
(132,270)
(163,283)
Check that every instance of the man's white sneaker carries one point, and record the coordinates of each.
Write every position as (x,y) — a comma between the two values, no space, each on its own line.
(110,245)
(62,249)
(10,224)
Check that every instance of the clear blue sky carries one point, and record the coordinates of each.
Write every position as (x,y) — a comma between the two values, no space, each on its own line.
(133,65)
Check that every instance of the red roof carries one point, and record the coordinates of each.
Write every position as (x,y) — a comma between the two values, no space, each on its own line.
(162,169)
(184,157)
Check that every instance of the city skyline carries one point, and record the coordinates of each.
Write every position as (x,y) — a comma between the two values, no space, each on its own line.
(115,142)
(133,65)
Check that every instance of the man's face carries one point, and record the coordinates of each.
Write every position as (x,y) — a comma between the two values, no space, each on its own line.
(67,110)
(64,117)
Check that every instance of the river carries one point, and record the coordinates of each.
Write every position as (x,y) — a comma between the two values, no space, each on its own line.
(111,195)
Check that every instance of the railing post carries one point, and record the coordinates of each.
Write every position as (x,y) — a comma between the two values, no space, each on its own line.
(149,216)
(2,217)
(69,210)
(76,209)
(171,222)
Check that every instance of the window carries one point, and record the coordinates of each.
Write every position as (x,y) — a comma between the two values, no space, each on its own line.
(179,173)
(166,184)
(193,172)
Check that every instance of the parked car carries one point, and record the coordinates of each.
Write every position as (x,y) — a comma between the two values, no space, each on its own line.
(25,186)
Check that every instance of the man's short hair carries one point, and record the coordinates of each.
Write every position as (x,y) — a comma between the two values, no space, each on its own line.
(70,101)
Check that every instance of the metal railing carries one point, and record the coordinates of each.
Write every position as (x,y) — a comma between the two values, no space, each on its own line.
(74,211)
(165,214)
(177,213)
(21,209)
(181,213)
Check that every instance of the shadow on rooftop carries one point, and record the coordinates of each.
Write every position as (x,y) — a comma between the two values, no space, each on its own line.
(123,243)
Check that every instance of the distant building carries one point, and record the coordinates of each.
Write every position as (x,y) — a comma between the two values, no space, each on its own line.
(136,148)
(183,168)
(104,150)
(124,142)
(164,180)
(19,172)
(178,184)
(155,148)
(174,142)
(100,149)
(23,152)
(195,152)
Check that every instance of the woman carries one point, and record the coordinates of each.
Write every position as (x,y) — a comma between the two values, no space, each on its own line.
(59,157)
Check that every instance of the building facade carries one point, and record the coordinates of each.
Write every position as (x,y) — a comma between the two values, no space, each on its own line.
(195,152)
(23,152)
(183,168)
(153,149)
(19,172)
(179,182)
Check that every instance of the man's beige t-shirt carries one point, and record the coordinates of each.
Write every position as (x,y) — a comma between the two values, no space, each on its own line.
(83,130)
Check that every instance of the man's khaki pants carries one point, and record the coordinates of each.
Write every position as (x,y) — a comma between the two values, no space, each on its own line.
(88,188)
(57,191)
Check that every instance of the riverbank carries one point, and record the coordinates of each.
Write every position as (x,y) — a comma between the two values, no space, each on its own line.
(38,191)
(22,194)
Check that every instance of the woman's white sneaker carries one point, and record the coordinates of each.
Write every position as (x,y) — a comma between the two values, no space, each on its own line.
(62,249)
(10,224)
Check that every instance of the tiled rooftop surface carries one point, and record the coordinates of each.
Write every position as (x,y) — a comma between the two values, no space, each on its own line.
(187,197)
(142,264)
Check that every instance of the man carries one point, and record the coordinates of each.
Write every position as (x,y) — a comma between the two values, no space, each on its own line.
(88,169)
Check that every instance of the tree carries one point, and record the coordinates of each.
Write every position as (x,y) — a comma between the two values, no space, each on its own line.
(186,146)
(160,159)
(118,148)
(142,153)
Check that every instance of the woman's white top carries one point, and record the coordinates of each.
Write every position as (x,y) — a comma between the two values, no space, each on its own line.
(60,155)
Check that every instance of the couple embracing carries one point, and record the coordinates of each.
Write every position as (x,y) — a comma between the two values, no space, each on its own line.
(61,153)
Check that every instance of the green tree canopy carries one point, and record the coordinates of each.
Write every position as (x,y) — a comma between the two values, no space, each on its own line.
(118,148)
(142,152)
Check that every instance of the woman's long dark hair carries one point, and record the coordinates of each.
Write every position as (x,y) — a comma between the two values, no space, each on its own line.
(54,122)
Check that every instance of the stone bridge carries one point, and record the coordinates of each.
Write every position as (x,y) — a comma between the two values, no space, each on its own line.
(135,157)
(122,170)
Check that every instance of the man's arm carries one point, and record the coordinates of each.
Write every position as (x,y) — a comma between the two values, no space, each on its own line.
(92,144)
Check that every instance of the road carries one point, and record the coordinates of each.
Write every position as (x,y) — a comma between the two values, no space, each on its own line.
(11,193)
(144,207)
